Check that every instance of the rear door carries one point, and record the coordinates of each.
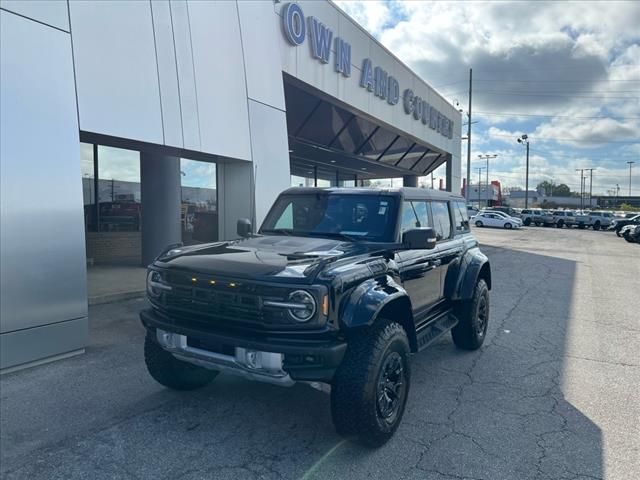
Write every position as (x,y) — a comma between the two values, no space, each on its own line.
(448,247)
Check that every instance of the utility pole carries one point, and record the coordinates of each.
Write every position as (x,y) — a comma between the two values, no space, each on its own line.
(524,139)
(590,183)
(469,137)
(487,157)
(581,170)
(479,184)
(630,163)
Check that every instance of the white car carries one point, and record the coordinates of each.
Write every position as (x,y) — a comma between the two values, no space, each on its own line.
(504,215)
(493,219)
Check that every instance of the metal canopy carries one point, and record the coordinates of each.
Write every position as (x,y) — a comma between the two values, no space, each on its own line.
(330,140)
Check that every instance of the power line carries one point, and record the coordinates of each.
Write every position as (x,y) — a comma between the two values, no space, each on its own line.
(498,114)
(505,80)
(568,139)
(568,94)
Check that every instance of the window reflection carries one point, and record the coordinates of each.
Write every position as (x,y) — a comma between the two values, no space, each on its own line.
(88,185)
(199,212)
(118,190)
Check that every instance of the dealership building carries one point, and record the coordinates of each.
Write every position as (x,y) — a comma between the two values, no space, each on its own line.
(127,126)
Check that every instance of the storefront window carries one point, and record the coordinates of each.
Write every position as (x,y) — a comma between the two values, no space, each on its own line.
(199,212)
(118,190)
(87,167)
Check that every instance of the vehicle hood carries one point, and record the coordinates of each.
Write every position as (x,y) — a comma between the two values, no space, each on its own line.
(276,257)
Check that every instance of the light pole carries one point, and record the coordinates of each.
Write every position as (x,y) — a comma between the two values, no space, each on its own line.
(630,163)
(581,170)
(487,156)
(479,184)
(524,140)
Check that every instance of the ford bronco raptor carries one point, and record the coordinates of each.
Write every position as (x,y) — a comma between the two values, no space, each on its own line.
(339,286)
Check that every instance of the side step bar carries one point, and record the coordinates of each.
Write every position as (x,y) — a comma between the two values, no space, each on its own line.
(433,330)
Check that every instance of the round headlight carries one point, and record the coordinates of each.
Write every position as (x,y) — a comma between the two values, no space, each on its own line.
(154,281)
(307,306)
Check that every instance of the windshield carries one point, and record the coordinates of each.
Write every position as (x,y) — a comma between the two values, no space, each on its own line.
(347,216)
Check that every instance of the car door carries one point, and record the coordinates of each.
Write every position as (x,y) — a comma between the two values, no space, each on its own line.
(419,270)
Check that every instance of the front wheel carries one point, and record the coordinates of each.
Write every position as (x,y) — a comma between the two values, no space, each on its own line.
(171,372)
(473,319)
(370,389)
(559,224)
(596,226)
(478,223)
(508,226)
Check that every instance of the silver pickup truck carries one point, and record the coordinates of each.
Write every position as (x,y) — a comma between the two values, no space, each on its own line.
(537,217)
(595,220)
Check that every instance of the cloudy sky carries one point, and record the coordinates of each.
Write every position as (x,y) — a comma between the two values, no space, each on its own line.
(565,73)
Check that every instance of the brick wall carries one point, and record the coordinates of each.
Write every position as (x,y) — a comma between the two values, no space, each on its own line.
(122,248)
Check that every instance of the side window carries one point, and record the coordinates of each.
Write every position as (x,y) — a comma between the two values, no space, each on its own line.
(441,220)
(422,212)
(286,219)
(409,219)
(461,217)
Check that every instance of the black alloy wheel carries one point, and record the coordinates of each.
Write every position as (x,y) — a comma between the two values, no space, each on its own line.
(391,390)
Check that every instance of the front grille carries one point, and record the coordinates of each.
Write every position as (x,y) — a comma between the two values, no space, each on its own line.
(224,302)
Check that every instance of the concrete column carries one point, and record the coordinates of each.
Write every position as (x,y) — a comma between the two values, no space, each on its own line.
(410,181)
(449,175)
(161,202)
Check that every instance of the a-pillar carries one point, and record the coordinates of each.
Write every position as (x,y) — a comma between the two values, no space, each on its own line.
(160,190)
(410,181)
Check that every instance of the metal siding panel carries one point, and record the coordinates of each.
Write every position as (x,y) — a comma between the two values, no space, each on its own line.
(42,248)
(186,75)
(220,79)
(116,70)
(270,155)
(264,73)
(167,73)
(51,12)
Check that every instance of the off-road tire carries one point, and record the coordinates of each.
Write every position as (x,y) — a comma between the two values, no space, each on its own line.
(355,404)
(473,318)
(527,222)
(479,223)
(171,372)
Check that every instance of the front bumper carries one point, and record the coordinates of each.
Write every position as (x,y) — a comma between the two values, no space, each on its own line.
(281,362)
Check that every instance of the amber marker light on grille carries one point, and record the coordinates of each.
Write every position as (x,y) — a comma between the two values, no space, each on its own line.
(194,279)
(232,284)
(212,282)
(325,305)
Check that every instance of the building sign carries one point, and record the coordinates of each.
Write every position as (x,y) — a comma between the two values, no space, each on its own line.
(373,78)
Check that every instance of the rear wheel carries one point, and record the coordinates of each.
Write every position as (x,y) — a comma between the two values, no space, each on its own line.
(560,224)
(171,372)
(370,389)
(478,223)
(596,226)
(473,319)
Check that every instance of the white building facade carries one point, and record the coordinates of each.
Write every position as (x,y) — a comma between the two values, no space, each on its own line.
(137,124)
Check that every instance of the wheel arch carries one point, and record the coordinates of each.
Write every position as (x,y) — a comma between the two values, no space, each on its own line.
(475,267)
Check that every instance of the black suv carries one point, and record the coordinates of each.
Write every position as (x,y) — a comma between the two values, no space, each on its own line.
(339,286)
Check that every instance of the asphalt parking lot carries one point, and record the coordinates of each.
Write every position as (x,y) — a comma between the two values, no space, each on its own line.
(553,394)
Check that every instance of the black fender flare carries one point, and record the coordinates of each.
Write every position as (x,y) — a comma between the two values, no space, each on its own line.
(475,265)
(363,306)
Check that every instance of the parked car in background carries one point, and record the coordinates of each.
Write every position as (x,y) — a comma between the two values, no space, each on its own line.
(508,210)
(599,219)
(494,219)
(564,218)
(617,223)
(631,233)
(537,217)
(504,215)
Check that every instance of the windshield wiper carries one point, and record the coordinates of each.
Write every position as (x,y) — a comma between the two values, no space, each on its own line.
(343,236)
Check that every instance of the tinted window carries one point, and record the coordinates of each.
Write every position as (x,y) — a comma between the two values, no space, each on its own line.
(366,217)
(422,211)
(441,220)
(461,217)
(409,219)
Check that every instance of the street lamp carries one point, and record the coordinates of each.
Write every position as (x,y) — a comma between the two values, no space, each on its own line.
(487,156)
(630,163)
(479,184)
(524,140)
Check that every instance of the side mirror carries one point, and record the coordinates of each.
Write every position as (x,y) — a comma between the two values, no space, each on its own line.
(423,238)
(243,227)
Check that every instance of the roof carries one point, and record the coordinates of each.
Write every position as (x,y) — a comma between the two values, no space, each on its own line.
(406,192)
